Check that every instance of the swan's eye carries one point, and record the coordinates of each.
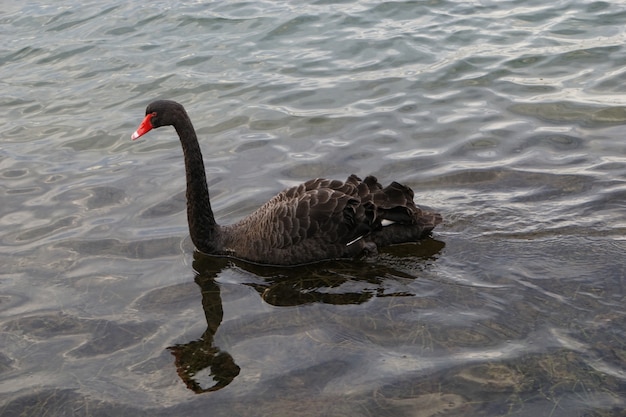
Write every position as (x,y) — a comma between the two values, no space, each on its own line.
(151,118)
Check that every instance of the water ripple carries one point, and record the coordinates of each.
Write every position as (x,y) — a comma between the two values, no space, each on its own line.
(504,116)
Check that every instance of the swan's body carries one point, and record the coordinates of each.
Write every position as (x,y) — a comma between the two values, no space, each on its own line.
(317,220)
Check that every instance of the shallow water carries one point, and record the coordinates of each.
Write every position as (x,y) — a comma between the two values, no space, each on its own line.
(507,117)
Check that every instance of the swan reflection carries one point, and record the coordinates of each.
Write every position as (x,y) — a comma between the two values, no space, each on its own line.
(204,367)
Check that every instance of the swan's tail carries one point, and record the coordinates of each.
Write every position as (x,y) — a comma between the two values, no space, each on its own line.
(401,232)
(389,215)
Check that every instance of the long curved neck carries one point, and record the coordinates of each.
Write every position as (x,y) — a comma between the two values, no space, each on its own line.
(202,226)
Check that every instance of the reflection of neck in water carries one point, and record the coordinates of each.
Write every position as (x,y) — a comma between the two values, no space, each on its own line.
(287,286)
(195,356)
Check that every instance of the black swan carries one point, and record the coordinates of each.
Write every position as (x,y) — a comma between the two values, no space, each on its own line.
(318,220)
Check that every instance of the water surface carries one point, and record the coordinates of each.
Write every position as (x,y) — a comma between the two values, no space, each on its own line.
(507,117)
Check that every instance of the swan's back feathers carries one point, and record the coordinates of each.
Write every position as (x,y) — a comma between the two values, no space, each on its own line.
(325,219)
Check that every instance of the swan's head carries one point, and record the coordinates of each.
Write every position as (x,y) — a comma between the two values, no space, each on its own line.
(159,113)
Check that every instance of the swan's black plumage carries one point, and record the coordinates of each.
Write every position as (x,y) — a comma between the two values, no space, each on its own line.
(319,219)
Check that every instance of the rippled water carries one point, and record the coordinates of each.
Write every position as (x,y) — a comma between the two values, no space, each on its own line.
(505,116)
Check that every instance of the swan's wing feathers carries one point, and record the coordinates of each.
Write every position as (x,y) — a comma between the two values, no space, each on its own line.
(404,220)
(334,212)
(395,203)
(344,211)
(348,187)
(317,209)
(324,213)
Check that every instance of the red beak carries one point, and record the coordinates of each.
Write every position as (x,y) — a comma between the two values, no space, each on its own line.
(144,127)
